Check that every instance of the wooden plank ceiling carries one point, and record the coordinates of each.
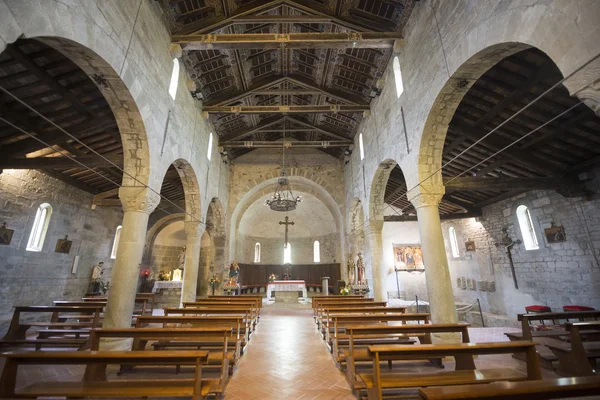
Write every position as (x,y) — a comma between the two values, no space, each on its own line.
(54,86)
(551,158)
(320,75)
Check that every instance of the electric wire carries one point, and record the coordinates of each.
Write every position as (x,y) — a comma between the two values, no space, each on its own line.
(193,218)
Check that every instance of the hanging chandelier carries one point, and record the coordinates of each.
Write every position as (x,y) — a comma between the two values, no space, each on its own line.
(283,199)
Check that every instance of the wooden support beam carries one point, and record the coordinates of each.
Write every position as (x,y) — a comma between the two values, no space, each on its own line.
(68,180)
(239,134)
(360,40)
(443,217)
(58,162)
(280,19)
(277,144)
(338,136)
(522,184)
(334,108)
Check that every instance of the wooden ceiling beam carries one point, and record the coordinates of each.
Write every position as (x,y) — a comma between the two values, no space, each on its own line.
(280,19)
(444,217)
(285,109)
(235,135)
(69,181)
(338,136)
(278,144)
(349,40)
(471,183)
(58,162)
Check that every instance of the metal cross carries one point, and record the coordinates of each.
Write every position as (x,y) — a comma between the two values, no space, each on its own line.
(286,223)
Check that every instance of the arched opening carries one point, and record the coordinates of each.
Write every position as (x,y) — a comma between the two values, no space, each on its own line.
(316,251)
(527,229)
(453,242)
(39,228)
(361,146)
(398,77)
(287,253)
(115,246)
(174,81)
(257,252)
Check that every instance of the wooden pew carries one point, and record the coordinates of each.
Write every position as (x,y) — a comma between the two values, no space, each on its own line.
(239,324)
(322,309)
(464,373)
(146,300)
(58,316)
(362,336)
(578,358)
(213,339)
(244,297)
(343,303)
(549,334)
(96,384)
(527,390)
(327,312)
(339,322)
(225,303)
(316,301)
(245,311)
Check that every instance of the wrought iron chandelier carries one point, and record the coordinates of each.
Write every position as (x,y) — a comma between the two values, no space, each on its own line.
(283,199)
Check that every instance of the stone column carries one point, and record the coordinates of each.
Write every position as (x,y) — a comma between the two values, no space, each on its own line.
(138,203)
(374,230)
(437,273)
(193,231)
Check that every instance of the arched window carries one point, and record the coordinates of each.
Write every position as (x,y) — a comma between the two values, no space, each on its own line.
(361,146)
(317,251)
(113,253)
(398,77)
(210,140)
(257,252)
(527,230)
(453,242)
(174,79)
(40,227)
(287,254)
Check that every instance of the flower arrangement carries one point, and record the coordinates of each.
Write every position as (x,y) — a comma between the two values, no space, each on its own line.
(272,277)
(214,280)
(163,276)
(345,290)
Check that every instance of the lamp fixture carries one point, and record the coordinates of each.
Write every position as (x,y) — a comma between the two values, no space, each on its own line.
(283,198)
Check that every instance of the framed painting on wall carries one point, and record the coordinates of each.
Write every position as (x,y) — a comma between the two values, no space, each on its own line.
(408,256)
(63,245)
(555,234)
(6,234)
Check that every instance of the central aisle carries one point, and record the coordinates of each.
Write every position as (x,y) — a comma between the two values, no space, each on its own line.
(287,359)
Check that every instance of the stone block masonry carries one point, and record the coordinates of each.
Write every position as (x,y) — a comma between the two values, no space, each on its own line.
(38,278)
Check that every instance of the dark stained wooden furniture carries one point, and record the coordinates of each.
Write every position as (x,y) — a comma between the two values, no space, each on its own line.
(326,313)
(145,299)
(216,310)
(464,373)
(207,303)
(95,383)
(578,356)
(526,390)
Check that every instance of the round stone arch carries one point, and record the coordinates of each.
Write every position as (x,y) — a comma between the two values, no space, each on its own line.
(134,138)
(378,185)
(191,189)
(298,183)
(155,230)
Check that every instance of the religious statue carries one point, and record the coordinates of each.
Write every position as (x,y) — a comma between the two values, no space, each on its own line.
(177,274)
(234,271)
(351,270)
(361,269)
(97,271)
(182,257)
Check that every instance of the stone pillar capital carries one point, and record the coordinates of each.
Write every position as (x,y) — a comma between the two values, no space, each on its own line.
(586,86)
(375,226)
(138,199)
(193,229)
(424,196)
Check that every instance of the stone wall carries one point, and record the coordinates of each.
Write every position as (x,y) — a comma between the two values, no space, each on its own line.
(164,258)
(554,275)
(166,298)
(301,248)
(38,278)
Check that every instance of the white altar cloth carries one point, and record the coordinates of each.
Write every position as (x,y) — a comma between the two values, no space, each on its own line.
(166,285)
(286,286)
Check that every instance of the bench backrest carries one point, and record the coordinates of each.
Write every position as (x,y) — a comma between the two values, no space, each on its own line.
(427,329)
(526,319)
(236,322)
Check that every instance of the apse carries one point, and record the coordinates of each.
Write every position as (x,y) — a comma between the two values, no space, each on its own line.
(312,222)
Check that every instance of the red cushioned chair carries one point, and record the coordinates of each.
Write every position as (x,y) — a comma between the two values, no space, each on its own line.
(539,309)
(578,308)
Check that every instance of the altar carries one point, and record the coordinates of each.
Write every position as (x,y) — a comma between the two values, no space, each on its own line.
(158,285)
(286,286)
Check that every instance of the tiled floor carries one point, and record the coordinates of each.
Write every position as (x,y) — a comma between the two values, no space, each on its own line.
(285,359)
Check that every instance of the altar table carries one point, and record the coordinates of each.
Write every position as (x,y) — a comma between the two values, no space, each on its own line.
(286,286)
(166,285)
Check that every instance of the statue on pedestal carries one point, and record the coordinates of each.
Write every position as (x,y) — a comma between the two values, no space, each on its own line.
(351,270)
(234,272)
(182,258)
(94,286)
(177,274)
(361,269)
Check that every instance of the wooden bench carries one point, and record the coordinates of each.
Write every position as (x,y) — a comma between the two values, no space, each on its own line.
(362,336)
(146,300)
(578,358)
(317,303)
(327,312)
(216,340)
(226,304)
(17,330)
(549,334)
(526,390)
(237,322)
(322,309)
(464,373)
(244,297)
(339,322)
(95,383)
(244,311)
